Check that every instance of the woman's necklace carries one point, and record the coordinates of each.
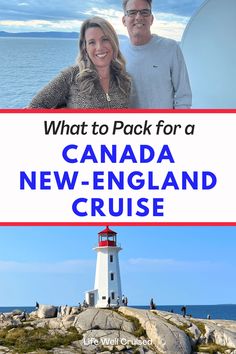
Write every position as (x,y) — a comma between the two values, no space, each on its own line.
(105,83)
(104,77)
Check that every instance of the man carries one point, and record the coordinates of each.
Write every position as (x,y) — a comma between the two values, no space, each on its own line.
(156,64)
(184,309)
(123,300)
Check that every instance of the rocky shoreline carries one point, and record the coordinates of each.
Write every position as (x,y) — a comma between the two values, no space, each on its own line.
(123,330)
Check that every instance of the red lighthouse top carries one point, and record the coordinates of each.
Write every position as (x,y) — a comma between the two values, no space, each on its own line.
(107,237)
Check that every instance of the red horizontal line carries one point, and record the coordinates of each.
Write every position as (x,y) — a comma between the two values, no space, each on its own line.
(118,223)
(73,111)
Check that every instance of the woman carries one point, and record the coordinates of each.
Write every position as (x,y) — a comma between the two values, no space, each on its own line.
(99,79)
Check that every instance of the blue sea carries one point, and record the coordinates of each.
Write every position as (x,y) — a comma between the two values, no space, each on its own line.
(220,312)
(27,64)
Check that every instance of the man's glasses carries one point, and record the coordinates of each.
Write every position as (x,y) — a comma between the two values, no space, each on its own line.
(143,12)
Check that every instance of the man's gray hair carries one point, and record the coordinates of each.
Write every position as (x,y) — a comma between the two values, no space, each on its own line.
(125,2)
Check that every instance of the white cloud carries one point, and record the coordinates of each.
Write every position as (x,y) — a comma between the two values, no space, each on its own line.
(31,23)
(69,266)
(105,13)
(42,25)
(169,25)
(157,265)
(113,16)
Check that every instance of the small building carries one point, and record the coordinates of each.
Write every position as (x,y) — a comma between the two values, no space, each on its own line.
(107,286)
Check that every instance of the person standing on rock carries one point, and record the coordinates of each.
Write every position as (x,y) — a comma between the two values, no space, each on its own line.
(109,302)
(85,305)
(151,304)
(184,310)
(118,301)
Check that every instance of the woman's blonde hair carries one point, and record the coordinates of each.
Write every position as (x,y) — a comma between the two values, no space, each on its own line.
(88,74)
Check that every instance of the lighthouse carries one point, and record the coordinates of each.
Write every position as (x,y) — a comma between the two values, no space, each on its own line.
(107,286)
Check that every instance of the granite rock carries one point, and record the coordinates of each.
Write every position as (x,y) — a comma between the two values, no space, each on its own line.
(166,337)
(93,318)
(47,311)
(106,330)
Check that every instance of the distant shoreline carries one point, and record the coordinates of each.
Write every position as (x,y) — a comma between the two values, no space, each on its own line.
(51,34)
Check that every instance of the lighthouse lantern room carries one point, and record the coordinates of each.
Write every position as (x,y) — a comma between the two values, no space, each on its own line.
(107,287)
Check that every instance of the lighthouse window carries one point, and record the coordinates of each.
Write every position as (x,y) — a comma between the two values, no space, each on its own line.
(112,295)
(111,258)
(112,276)
(103,297)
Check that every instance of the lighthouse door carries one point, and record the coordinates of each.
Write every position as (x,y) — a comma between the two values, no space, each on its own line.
(91,299)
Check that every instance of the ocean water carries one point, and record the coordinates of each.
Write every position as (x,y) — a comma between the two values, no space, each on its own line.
(220,312)
(27,64)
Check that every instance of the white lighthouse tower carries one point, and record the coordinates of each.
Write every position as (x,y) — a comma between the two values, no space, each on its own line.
(107,287)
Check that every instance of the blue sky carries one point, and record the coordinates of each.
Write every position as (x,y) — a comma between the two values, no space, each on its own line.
(50,15)
(174,265)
